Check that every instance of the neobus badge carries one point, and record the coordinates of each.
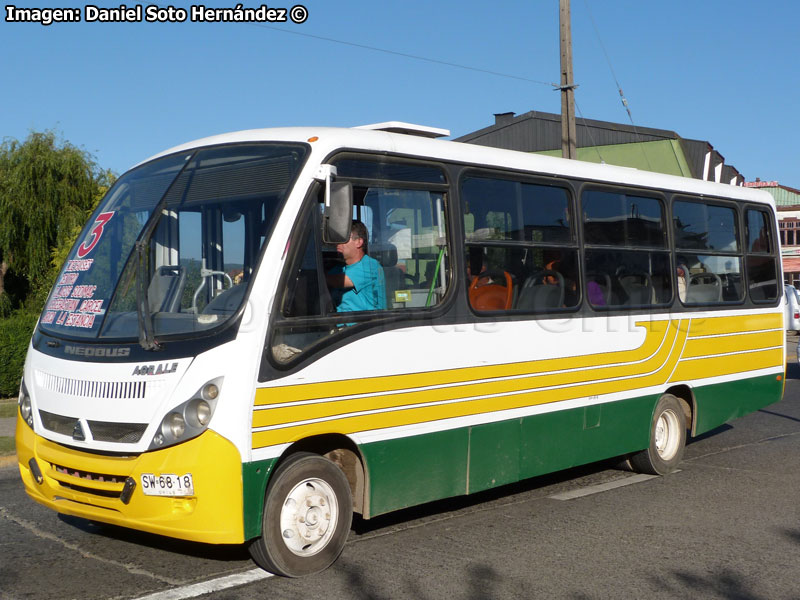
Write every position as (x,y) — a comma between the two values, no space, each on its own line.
(162,369)
(89,351)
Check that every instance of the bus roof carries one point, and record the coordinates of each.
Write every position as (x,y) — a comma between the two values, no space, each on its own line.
(329,139)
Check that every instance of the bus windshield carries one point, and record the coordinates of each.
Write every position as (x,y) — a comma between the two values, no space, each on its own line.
(173,245)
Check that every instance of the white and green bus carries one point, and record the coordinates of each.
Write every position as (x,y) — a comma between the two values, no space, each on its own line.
(190,375)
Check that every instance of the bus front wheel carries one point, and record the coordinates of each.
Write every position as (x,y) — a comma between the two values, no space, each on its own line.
(307,515)
(667,439)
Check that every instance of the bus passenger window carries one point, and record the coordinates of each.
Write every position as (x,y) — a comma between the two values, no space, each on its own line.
(709,257)
(627,259)
(762,272)
(521,249)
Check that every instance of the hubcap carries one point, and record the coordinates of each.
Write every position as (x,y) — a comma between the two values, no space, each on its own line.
(667,434)
(308,517)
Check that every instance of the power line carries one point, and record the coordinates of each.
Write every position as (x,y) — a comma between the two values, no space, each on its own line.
(406,55)
(616,82)
(589,132)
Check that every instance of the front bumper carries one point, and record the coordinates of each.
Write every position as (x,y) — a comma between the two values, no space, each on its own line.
(91,486)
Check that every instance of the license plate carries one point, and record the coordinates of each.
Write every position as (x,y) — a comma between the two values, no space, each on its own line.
(167,484)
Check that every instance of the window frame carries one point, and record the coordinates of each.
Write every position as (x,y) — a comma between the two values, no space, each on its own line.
(574,243)
(361,323)
(662,197)
(774,253)
(737,207)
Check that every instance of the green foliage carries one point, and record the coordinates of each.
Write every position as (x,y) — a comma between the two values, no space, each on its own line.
(48,188)
(7,446)
(15,333)
(8,409)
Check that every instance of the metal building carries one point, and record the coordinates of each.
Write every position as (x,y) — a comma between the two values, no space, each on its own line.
(645,148)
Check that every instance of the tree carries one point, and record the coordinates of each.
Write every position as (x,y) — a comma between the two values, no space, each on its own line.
(48,188)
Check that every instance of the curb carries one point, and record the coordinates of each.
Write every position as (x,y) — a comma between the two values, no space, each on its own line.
(7,461)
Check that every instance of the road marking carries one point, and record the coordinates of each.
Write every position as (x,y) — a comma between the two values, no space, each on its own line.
(35,530)
(602,487)
(206,587)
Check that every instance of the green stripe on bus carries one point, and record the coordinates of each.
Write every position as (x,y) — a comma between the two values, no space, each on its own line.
(412,470)
(254,488)
(723,402)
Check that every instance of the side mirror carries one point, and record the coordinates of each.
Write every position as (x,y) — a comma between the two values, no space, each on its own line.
(338,216)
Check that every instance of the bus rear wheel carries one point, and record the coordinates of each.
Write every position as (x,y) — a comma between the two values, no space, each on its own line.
(307,515)
(667,439)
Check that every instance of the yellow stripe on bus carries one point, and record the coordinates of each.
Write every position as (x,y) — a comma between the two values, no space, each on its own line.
(426,414)
(710,346)
(466,389)
(737,324)
(394,383)
(398,400)
(718,366)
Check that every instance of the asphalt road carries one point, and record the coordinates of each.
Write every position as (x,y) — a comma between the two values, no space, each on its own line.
(726,526)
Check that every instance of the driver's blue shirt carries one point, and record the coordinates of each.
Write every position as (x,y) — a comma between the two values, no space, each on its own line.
(369,286)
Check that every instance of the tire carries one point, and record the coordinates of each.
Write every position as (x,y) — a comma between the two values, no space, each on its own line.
(667,439)
(307,515)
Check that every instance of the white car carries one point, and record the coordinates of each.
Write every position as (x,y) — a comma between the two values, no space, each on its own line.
(791,305)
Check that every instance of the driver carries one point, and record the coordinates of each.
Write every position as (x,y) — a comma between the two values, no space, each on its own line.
(359,284)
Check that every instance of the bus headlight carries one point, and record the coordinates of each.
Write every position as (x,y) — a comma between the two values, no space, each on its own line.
(175,424)
(190,419)
(25,409)
(210,391)
(199,413)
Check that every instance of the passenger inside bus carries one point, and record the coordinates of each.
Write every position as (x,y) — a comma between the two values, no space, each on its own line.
(360,283)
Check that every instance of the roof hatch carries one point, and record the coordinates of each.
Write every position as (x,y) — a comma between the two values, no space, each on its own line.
(407,128)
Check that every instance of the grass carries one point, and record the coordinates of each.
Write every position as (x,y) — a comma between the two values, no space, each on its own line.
(8,408)
(7,446)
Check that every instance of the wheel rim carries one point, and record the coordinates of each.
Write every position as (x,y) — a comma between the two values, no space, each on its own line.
(667,435)
(308,517)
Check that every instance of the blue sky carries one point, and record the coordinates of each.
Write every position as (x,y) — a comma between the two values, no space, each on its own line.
(725,71)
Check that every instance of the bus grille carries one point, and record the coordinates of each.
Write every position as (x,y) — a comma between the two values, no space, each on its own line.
(85,388)
(86,490)
(102,431)
(120,433)
(87,479)
(58,423)
(88,476)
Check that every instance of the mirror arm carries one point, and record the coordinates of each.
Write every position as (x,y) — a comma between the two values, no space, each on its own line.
(325,174)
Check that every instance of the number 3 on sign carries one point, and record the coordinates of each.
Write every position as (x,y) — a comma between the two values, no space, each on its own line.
(96,231)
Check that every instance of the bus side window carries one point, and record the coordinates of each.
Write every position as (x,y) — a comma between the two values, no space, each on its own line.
(761,263)
(708,252)
(627,257)
(521,250)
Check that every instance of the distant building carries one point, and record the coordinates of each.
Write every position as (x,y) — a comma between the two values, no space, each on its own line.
(647,149)
(643,148)
(788,202)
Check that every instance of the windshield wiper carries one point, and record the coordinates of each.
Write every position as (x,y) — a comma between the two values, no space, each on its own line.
(146,338)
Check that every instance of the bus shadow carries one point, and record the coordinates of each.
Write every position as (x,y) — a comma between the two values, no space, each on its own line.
(792,370)
(458,503)
(708,434)
(214,552)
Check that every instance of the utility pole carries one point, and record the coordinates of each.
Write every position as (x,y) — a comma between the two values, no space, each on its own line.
(568,133)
